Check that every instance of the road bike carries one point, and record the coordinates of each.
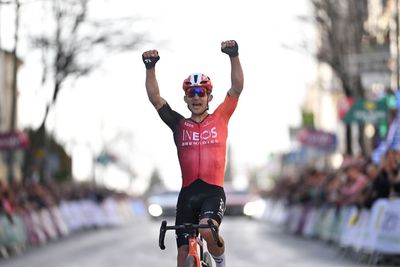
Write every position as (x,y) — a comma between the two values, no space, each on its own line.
(197,256)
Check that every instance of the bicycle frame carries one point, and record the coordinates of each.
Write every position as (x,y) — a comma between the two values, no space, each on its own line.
(193,242)
(194,239)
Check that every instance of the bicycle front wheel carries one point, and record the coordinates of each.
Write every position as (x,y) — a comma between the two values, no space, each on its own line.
(190,262)
(207,262)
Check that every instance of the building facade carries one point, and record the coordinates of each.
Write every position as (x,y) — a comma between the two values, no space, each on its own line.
(6,81)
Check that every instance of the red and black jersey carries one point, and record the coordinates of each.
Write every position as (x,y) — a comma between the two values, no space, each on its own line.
(201,146)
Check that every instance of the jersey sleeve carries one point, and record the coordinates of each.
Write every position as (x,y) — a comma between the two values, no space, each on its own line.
(227,107)
(169,116)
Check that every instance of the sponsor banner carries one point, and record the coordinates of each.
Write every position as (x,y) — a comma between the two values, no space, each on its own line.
(317,139)
(365,111)
(385,226)
(13,141)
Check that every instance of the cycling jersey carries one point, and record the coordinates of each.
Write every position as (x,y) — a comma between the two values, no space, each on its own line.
(201,146)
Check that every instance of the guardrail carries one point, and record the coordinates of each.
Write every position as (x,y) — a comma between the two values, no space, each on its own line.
(368,235)
(22,230)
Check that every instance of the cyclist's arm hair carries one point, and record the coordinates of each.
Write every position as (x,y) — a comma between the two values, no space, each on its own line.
(237,79)
(153,91)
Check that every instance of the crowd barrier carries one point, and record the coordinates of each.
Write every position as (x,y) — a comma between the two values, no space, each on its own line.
(368,234)
(23,230)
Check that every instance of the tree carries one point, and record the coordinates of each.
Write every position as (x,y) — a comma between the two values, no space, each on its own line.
(341,30)
(75,45)
(155,183)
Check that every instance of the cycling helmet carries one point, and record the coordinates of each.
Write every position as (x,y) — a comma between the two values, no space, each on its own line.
(197,79)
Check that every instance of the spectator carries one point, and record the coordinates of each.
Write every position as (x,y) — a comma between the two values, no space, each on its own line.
(356,182)
(333,186)
(378,185)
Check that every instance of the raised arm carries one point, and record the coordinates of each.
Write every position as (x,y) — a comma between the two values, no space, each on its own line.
(150,59)
(231,48)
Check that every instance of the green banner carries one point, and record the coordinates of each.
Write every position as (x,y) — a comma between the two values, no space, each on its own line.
(366,111)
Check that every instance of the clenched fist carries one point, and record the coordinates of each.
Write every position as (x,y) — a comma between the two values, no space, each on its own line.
(150,58)
(230,47)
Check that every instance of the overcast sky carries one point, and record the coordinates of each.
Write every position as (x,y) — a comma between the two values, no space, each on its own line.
(187,34)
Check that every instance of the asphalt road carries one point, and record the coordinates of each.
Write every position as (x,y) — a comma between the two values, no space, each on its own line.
(249,244)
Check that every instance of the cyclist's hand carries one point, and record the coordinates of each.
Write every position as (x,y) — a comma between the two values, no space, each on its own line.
(230,47)
(150,58)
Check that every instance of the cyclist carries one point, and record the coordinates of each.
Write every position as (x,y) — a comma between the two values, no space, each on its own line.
(201,146)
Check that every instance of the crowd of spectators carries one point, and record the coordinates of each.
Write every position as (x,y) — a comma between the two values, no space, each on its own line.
(358,182)
(354,207)
(33,214)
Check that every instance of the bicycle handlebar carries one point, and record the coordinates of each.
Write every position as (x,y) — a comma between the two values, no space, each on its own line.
(188,226)
(163,229)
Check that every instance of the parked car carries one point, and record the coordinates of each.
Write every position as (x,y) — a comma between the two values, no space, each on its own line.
(238,202)
(162,204)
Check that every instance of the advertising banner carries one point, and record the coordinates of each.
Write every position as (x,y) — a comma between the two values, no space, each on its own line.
(317,139)
(14,141)
(365,111)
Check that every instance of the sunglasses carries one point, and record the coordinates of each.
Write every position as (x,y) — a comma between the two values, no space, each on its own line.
(200,91)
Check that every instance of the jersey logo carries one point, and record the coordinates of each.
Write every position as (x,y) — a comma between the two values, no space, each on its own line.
(188,124)
(205,137)
(199,136)
(222,208)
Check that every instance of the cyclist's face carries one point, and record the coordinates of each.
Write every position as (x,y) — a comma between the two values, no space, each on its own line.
(197,104)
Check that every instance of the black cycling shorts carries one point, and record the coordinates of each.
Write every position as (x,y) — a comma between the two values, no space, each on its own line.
(198,201)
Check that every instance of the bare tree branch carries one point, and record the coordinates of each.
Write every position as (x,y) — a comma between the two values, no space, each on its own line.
(71,51)
(341,28)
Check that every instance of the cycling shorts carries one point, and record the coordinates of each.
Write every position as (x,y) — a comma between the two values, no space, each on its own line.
(197,201)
